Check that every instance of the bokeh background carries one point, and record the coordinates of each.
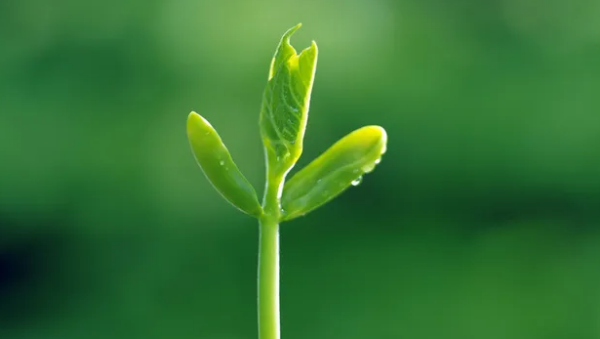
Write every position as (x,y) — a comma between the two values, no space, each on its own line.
(482,221)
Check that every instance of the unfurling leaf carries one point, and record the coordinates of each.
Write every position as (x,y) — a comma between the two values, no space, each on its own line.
(218,166)
(285,104)
(341,166)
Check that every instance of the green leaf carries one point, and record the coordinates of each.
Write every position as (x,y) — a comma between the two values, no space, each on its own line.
(285,104)
(218,166)
(340,167)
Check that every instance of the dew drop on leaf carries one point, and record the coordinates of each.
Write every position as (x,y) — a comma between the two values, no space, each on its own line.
(357,181)
(368,168)
(222,162)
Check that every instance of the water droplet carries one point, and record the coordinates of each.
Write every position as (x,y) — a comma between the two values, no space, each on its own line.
(357,181)
(384,149)
(355,170)
(222,162)
(377,161)
(368,168)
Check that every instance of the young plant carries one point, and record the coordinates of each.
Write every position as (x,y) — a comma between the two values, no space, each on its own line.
(282,122)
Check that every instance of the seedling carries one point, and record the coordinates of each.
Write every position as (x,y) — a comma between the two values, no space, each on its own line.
(282,122)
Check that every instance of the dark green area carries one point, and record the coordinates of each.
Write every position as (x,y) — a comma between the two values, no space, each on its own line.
(482,221)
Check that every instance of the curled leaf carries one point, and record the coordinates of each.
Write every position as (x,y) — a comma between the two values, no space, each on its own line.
(285,104)
(218,166)
(340,167)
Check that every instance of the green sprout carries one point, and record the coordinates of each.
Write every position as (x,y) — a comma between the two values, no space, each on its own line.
(283,118)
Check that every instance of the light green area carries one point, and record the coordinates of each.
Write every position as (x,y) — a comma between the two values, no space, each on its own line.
(341,166)
(218,166)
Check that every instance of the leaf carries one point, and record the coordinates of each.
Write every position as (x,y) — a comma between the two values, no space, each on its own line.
(218,166)
(285,104)
(341,166)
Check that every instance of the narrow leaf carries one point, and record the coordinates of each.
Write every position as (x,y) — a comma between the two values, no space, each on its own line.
(285,104)
(340,167)
(218,166)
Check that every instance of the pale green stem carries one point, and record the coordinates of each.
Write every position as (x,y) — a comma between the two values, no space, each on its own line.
(268,263)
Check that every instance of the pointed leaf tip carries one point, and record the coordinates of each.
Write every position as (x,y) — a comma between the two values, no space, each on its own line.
(292,30)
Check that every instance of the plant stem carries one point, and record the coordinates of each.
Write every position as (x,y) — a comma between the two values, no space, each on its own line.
(268,262)
(268,281)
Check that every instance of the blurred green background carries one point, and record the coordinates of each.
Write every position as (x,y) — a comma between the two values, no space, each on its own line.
(482,220)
